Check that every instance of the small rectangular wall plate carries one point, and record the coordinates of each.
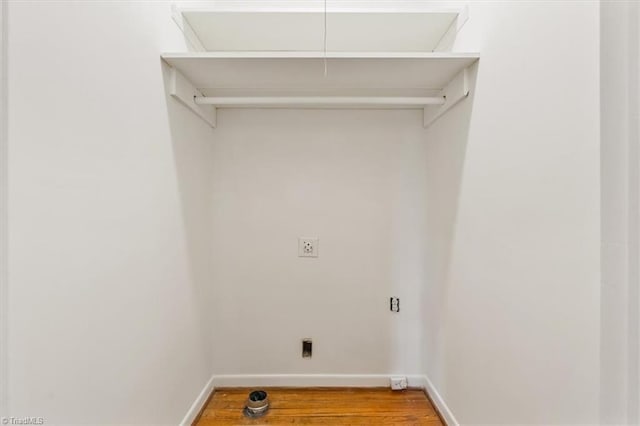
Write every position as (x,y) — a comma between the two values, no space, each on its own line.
(394,304)
(398,383)
(307,348)
(307,247)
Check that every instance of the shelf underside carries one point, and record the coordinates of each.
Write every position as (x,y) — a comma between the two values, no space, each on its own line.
(303,30)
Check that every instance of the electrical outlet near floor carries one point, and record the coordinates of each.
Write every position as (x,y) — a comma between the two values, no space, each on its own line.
(398,383)
(307,247)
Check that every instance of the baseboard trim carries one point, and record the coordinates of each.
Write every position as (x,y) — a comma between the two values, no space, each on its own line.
(312,380)
(198,404)
(438,401)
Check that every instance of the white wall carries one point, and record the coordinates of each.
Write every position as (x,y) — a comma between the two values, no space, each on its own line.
(355,180)
(620,185)
(4,303)
(512,301)
(110,226)
(108,218)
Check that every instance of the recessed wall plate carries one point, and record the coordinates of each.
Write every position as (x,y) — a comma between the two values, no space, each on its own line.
(394,304)
(307,348)
(307,247)
(398,383)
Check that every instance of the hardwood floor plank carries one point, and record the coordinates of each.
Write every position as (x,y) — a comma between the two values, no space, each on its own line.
(334,421)
(328,406)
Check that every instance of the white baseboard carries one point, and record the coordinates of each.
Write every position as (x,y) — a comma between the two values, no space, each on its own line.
(197,405)
(438,401)
(312,380)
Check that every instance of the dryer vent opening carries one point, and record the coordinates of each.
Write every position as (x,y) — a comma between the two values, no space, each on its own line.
(257,404)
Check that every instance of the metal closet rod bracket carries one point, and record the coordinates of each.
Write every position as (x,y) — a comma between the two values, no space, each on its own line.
(185,92)
(455,91)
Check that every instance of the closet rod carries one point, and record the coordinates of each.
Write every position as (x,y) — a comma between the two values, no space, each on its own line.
(345,101)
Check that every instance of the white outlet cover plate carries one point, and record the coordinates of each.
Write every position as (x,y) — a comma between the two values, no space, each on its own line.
(398,383)
(307,247)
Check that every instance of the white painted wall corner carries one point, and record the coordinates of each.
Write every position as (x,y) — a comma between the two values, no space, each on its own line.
(198,404)
(439,402)
(4,280)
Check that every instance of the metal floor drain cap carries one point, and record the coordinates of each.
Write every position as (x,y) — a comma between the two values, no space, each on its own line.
(257,404)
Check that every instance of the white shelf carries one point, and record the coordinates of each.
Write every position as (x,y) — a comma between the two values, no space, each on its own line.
(431,81)
(319,54)
(233,28)
(304,71)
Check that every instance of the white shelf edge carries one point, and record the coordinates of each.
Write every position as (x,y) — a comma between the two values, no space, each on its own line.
(190,36)
(294,7)
(319,55)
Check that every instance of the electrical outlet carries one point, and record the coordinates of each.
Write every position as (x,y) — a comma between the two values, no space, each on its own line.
(307,247)
(394,304)
(398,383)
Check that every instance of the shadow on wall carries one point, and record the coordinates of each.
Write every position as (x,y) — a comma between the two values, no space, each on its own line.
(446,152)
(191,139)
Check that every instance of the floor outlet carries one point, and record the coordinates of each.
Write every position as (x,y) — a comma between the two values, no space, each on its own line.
(398,383)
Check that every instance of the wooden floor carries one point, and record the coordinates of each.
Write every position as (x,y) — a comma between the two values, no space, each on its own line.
(324,406)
